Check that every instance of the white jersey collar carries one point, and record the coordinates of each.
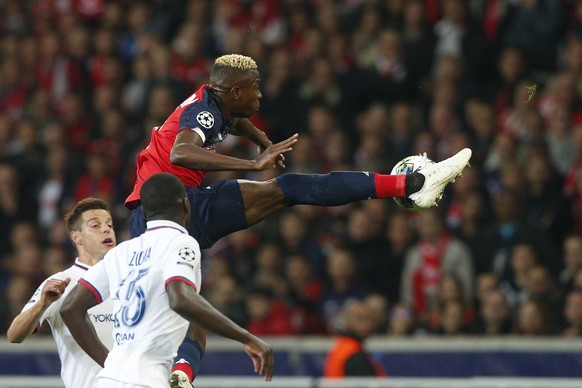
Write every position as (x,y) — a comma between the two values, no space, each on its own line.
(159,224)
(81,265)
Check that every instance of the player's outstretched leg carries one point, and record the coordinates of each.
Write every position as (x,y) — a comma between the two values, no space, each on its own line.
(437,176)
(340,187)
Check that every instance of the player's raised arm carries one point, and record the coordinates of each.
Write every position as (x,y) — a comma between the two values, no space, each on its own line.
(243,127)
(74,314)
(24,324)
(188,152)
(187,303)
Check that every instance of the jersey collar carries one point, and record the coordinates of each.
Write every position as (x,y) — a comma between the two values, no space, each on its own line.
(160,224)
(81,265)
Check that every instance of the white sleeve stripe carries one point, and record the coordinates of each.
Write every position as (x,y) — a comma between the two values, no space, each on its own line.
(200,133)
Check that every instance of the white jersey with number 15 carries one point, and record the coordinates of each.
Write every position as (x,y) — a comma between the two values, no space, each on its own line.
(146,333)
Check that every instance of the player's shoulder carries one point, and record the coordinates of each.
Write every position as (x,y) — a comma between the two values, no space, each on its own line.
(71,272)
(203,107)
(185,240)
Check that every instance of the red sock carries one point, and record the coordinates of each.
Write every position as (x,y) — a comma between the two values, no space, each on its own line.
(184,367)
(390,185)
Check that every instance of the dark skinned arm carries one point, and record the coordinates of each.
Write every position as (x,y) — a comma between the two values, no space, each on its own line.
(189,305)
(188,152)
(243,127)
(74,314)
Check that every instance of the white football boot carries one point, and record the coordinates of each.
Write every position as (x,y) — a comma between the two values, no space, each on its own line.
(437,176)
(179,379)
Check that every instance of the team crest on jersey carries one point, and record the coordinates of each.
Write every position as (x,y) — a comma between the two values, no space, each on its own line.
(187,254)
(205,119)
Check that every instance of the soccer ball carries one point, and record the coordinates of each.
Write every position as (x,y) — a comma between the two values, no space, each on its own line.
(409,165)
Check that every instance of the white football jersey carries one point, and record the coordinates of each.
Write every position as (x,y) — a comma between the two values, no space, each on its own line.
(146,333)
(78,370)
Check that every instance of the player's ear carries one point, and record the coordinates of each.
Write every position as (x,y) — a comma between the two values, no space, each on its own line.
(75,237)
(235,92)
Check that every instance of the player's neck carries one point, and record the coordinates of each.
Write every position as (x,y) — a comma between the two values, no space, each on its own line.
(218,95)
(90,260)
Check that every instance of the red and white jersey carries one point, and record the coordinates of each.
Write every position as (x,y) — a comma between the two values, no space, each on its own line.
(78,370)
(147,332)
(199,113)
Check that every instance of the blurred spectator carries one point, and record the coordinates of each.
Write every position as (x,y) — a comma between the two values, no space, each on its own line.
(401,321)
(559,139)
(13,298)
(492,246)
(268,270)
(452,319)
(531,320)
(522,258)
(97,181)
(305,291)
(267,314)
(543,198)
(573,314)
(56,259)
(572,260)
(379,306)
(56,74)
(296,238)
(365,241)
(9,204)
(227,297)
(532,25)
(494,315)
(344,286)
(541,288)
(402,132)
(189,64)
(400,236)
(280,99)
(76,120)
(450,290)
(435,255)
(55,188)
(347,357)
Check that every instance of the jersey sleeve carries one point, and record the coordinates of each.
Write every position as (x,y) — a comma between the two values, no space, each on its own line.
(202,119)
(97,281)
(183,263)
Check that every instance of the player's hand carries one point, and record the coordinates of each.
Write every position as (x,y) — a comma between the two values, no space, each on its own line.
(273,154)
(53,289)
(262,356)
(280,159)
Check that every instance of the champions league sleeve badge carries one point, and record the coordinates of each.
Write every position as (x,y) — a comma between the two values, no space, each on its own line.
(205,119)
(187,254)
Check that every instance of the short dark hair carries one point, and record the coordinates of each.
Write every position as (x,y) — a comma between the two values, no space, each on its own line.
(73,218)
(161,196)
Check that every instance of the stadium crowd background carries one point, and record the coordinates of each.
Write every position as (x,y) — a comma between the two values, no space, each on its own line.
(364,83)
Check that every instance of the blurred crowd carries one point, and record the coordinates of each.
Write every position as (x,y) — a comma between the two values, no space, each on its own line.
(364,83)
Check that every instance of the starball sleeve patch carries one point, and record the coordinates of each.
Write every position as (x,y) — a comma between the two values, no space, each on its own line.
(206,119)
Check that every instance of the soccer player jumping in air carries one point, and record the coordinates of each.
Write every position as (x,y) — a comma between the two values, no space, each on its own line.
(184,146)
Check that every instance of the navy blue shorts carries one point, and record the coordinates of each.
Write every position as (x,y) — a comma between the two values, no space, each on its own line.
(216,211)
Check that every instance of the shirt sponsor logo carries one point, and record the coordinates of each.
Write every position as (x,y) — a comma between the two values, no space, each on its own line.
(101,318)
(120,338)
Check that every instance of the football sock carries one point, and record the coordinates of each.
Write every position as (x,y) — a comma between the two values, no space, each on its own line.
(188,358)
(339,187)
